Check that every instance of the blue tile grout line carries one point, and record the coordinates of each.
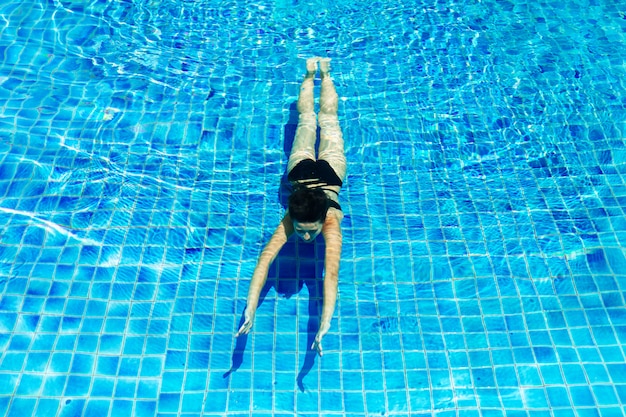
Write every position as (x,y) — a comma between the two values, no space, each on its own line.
(143,148)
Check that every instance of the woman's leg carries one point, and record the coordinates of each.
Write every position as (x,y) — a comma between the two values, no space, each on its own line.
(331,138)
(304,142)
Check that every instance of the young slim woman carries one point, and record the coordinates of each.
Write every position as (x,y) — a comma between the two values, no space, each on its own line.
(313,206)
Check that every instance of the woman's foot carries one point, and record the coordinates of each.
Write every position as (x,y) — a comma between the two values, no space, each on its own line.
(311,66)
(324,66)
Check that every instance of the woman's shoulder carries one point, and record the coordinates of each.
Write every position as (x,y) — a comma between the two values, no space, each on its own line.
(336,214)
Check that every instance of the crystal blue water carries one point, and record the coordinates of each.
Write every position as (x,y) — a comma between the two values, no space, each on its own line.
(142,149)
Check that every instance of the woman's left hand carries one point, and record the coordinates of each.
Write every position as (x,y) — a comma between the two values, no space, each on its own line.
(317,344)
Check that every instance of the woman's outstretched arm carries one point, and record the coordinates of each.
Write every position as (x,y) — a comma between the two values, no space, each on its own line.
(280,236)
(333,238)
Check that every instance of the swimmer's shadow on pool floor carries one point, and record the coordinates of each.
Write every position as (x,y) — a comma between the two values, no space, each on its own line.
(297,265)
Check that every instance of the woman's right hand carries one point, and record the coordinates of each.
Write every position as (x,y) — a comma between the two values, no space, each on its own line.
(247,323)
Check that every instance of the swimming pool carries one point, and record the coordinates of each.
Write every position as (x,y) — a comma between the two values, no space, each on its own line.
(142,149)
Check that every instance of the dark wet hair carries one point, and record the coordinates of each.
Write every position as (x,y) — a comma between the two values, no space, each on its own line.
(308,205)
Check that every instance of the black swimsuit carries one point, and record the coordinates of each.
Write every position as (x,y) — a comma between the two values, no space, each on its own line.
(316,174)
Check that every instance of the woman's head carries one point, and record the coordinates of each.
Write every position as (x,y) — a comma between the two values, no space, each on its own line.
(307,209)
(308,205)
